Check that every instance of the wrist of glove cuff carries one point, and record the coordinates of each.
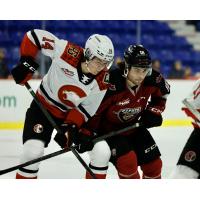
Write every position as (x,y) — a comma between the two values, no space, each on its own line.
(66,137)
(24,70)
(84,140)
(150,119)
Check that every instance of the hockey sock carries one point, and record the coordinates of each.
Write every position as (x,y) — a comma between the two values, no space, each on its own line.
(152,170)
(32,149)
(100,172)
(127,166)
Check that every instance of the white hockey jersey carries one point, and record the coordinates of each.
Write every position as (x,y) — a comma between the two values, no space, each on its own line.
(65,91)
(194,99)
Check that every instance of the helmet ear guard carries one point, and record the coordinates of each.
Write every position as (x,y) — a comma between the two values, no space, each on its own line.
(88,54)
(126,70)
(150,72)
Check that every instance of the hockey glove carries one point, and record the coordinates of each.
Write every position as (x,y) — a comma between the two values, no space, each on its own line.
(84,140)
(24,70)
(150,119)
(65,138)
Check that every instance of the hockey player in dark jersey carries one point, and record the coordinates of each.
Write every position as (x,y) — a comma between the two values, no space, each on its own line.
(137,94)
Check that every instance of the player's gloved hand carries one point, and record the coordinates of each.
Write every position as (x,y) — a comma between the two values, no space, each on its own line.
(65,138)
(24,70)
(150,119)
(84,140)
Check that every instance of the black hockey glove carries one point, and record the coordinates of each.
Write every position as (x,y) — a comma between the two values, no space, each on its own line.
(150,119)
(24,70)
(84,140)
(65,139)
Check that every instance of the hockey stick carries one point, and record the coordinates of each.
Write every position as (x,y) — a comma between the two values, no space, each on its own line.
(115,133)
(192,109)
(111,134)
(5,171)
(51,120)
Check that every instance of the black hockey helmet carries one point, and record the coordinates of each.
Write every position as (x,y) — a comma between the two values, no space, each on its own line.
(137,56)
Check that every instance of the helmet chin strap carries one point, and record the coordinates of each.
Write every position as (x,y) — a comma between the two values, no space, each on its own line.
(86,65)
(130,83)
(126,70)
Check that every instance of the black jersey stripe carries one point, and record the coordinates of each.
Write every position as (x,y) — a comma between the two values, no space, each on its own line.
(59,105)
(84,111)
(36,39)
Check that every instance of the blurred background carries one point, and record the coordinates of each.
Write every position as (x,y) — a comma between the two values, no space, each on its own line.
(174,45)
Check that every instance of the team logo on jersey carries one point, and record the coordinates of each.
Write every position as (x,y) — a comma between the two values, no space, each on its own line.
(128,114)
(124,102)
(112,87)
(67,72)
(38,128)
(106,78)
(85,79)
(69,94)
(190,156)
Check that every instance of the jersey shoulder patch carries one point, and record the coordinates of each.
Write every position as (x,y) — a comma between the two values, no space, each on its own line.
(73,54)
(103,80)
(117,81)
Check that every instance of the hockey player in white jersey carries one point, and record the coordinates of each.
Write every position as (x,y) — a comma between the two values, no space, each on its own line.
(188,166)
(71,91)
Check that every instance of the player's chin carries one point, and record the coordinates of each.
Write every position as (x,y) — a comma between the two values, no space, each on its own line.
(137,82)
(95,72)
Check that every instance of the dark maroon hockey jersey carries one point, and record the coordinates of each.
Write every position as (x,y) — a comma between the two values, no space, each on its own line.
(122,106)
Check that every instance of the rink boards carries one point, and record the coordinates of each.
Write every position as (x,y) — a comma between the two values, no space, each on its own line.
(15,99)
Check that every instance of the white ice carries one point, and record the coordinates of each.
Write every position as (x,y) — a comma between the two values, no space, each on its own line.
(170,141)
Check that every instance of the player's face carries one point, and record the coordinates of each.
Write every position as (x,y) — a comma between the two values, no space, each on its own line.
(96,65)
(137,74)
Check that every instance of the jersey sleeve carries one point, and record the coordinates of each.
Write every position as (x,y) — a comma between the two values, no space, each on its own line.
(194,99)
(194,95)
(38,40)
(159,96)
(94,122)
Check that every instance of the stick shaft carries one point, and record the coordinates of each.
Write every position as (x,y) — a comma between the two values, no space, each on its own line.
(45,157)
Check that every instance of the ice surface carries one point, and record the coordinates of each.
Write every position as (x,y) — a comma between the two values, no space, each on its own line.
(170,141)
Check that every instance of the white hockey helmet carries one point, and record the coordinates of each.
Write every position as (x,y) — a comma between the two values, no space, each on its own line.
(99,46)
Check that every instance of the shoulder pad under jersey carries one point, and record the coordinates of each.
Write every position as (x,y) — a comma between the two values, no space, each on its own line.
(157,80)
